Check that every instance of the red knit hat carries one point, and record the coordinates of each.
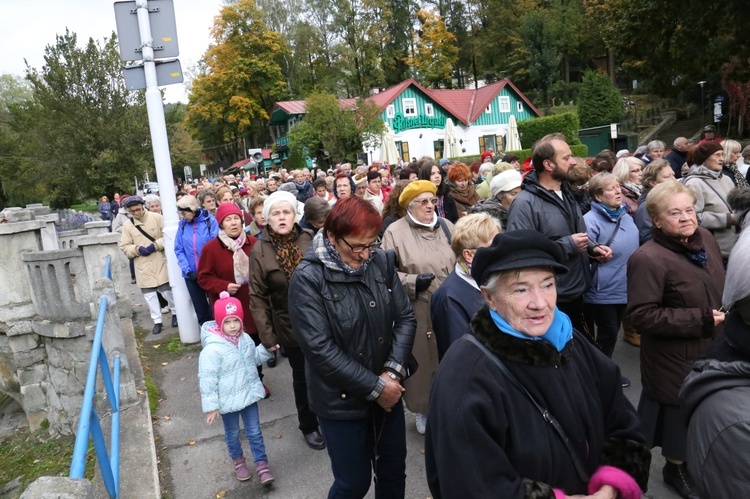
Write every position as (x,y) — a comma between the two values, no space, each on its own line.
(226,209)
(227,306)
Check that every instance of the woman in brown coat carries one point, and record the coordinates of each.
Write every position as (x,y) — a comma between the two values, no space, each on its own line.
(422,243)
(675,284)
(278,252)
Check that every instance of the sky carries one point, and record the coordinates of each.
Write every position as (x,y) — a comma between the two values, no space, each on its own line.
(27,27)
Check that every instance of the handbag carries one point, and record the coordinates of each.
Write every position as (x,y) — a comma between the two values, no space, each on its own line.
(548,417)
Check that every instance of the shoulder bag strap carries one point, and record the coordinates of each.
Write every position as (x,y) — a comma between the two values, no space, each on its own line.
(719,195)
(595,263)
(140,229)
(444,226)
(548,417)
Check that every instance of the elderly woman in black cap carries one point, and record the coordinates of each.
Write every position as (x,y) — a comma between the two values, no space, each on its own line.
(545,404)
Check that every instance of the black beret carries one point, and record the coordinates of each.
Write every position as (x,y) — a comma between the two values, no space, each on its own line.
(518,249)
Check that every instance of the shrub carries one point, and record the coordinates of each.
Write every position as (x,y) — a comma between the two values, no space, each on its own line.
(534,129)
(599,103)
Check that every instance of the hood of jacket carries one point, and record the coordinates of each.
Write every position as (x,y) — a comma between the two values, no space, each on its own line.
(701,171)
(710,376)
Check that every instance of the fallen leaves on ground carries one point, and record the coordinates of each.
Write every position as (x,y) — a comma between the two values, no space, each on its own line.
(191,442)
(221,494)
(165,363)
(277,436)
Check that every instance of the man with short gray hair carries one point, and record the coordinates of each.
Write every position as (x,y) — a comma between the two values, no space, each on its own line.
(654,150)
(678,156)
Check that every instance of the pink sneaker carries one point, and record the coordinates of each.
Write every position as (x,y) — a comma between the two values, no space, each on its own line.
(264,474)
(240,469)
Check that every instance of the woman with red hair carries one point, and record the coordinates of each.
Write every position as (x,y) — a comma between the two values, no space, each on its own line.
(355,325)
(462,188)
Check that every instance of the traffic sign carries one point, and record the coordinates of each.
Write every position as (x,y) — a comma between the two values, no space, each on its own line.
(163,30)
(167,72)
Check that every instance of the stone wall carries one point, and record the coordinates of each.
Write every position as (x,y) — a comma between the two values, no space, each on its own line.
(48,316)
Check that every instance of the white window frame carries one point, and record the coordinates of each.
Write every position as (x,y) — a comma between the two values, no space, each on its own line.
(429,109)
(409,103)
(489,109)
(504,104)
(390,111)
(519,106)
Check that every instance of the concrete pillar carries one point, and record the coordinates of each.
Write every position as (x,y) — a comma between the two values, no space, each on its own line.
(59,487)
(49,233)
(59,284)
(95,251)
(15,239)
(97,227)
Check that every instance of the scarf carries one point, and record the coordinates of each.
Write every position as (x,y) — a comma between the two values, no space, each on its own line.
(288,254)
(240,259)
(467,197)
(614,215)
(216,329)
(329,257)
(440,208)
(693,248)
(430,225)
(633,187)
(559,333)
(739,178)
(704,170)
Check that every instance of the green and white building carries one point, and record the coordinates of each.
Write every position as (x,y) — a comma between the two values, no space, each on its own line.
(417,116)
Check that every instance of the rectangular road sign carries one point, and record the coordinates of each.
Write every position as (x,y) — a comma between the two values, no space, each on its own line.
(163,30)
(167,73)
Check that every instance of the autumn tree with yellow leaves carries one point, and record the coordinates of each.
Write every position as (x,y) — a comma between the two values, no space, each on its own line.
(240,80)
(435,51)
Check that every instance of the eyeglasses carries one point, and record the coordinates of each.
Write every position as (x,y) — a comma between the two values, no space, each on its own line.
(361,248)
(423,202)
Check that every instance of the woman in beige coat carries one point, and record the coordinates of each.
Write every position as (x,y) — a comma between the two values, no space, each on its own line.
(422,244)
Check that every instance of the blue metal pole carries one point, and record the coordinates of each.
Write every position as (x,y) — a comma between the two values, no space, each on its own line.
(115,437)
(101,456)
(107,267)
(78,462)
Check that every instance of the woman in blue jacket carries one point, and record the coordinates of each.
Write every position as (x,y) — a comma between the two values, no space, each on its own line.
(197,227)
(608,223)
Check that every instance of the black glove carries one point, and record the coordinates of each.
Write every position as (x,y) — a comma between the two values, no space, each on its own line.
(423,281)
(192,276)
(147,250)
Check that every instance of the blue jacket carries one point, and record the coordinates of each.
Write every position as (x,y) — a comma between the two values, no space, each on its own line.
(452,306)
(610,284)
(190,239)
(228,374)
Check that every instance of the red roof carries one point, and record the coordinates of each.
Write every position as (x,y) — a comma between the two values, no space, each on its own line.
(466,105)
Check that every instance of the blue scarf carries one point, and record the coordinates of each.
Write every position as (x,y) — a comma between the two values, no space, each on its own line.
(614,215)
(559,333)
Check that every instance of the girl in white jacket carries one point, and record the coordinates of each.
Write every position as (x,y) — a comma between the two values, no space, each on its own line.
(230,385)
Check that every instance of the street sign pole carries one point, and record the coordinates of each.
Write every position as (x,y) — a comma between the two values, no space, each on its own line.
(188,323)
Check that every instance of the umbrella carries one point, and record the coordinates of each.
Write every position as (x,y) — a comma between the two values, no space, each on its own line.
(450,146)
(512,139)
(388,151)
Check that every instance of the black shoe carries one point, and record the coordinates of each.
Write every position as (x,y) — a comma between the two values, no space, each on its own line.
(174,321)
(624,381)
(678,477)
(157,329)
(282,351)
(315,440)
(272,362)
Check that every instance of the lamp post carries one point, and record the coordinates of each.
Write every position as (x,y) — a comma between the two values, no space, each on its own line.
(703,107)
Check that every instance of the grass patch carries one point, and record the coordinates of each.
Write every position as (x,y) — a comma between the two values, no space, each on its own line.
(87,206)
(174,345)
(25,455)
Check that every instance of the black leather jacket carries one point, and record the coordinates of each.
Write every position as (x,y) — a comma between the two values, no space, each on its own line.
(349,328)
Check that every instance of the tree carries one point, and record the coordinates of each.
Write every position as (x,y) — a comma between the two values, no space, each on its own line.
(331,134)
(436,53)
(183,149)
(542,59)
(84,134)
(234,94)
(599,103)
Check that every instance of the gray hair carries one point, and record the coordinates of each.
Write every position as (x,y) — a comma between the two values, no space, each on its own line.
(151,198)
(316,209)
(654,144)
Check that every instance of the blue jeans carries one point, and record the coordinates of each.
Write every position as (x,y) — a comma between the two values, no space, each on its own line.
(251,421)
(352,447)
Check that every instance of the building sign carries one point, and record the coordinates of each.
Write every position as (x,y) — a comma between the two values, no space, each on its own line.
(400,123)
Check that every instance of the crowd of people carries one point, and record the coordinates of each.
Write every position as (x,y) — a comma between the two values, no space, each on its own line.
(484,298)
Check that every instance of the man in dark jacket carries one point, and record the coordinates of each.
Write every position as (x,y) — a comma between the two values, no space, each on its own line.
(547,205)
(678,156)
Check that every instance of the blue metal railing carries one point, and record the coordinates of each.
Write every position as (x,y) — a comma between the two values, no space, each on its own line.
(88,424)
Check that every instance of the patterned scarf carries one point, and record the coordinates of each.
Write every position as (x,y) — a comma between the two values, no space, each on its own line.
(240,259)
(739,178)
(328,255)
(288,254)
(693,248)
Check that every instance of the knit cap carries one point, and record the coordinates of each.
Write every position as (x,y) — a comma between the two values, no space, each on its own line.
(278,197)
(227,306)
